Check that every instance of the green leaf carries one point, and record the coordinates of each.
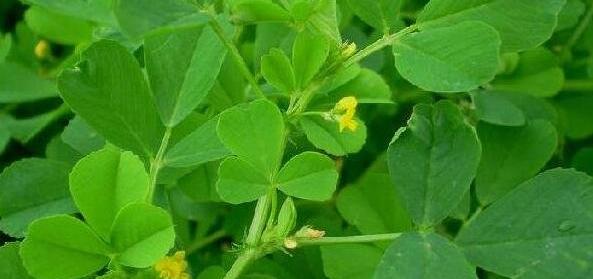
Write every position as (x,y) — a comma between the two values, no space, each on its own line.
(212,272)
(433,161)
(103,183)
(259,11)
(81,137)
(5,46)
(48,254)
(309,53)
(309,175)
(495,109)
(512,155)
(522,24)
(108,90)
(19,85)
(142,234)
(148,273)
(569,15)
(551,232)
(182,70)
(30,189)
(239,182)
(532,107)
(350,261)
(418,255)
(278,71)
(200,184)
(462,210)
(537,73)
(326,135)
(255,133)
(57,150)
(372,205)
(271,35)
(58,27)
(201,146)
(457,58)
(380,14)
(323,19)
(11,265)
(24,130)
(137,19)
(4,137)
(287,218)
(94,10)
(581,161)
(368,87)
(575,112)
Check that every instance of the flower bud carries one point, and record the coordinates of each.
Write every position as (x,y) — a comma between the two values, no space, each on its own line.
(313,233)
(348,50)
(509,63)
(309,232)
(290,243)
(42,49)
(286,218)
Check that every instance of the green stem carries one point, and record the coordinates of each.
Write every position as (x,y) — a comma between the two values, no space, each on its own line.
(256,229)
(236,55)
(273,208)
(303,101)
(258,224)
(262,209)
(241,263)
(577,33)
(347,239)
(308,93)
(157,162)
(378,45)
(578,85)
(203,242)
(312,113)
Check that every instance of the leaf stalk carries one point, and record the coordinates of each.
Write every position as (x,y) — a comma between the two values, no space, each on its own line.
(156,163)
(347,239)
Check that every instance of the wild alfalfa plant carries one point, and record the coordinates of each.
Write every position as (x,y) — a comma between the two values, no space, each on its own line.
(144,104)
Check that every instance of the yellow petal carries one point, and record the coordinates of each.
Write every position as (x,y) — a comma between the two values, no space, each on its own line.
(42,49)
(347,104)
(347,121)
(172,267)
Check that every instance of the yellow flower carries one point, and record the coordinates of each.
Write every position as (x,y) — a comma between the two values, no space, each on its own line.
(42,49)
(345,109)
(172,267)
(347,121)
(347,104)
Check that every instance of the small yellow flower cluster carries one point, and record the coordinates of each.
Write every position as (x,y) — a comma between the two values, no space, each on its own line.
(173,267)
(42,49)
(345,109)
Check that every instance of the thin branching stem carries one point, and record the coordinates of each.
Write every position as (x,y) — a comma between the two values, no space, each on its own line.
(379,45)
(236,55)
(205,241)
(578,32)
(347,239)
(253,249)
(585,85)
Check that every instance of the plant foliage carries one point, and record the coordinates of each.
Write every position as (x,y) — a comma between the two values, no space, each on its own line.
(211,139)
